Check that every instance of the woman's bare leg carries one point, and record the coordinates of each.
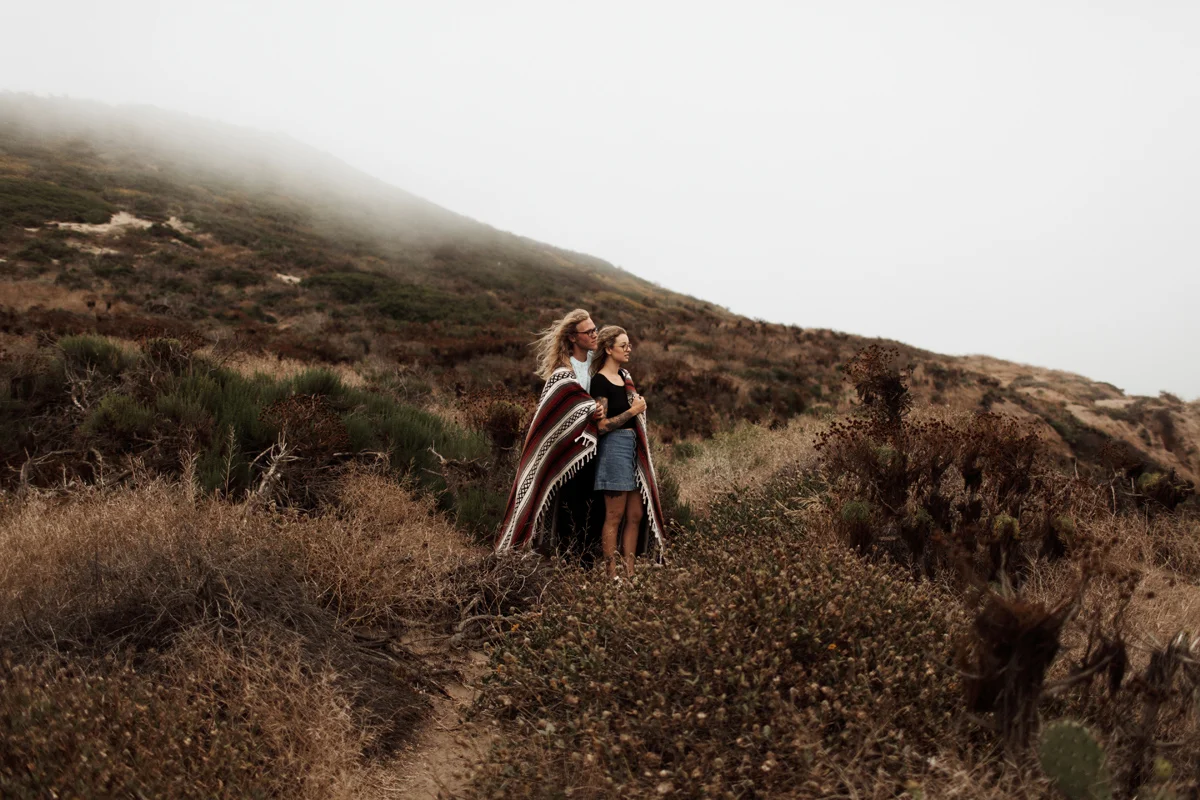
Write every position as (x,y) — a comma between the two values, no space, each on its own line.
(633,521)
(614,509)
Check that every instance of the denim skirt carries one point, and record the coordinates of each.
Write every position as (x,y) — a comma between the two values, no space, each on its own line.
(615,461)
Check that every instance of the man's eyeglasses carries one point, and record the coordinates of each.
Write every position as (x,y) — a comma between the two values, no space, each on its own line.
(589,332)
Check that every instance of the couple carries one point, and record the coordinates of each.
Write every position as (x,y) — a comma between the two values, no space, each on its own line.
(588,436)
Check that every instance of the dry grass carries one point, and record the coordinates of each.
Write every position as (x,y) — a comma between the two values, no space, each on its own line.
(386,558)
(746,455)
(280,369)
(286,625)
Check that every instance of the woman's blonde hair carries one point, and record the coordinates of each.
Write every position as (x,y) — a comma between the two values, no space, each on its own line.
(553,345)
(605,339)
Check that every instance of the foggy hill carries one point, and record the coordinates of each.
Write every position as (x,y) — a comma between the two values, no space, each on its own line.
(254,238)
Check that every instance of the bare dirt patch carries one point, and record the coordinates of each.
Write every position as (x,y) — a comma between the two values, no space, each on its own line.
(443,759)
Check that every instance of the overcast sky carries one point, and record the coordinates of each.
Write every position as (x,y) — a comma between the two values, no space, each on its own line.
(1020,179)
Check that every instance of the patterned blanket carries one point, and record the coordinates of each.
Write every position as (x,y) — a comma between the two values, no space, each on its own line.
(647,480)
(561,439)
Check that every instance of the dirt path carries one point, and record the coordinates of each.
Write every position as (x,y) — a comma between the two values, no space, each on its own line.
(442,760)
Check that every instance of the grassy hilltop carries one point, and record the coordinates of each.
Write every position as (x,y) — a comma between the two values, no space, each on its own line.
(258,413)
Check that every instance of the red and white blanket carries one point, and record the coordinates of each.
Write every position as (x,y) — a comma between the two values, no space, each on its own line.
(647,479)
(562,438)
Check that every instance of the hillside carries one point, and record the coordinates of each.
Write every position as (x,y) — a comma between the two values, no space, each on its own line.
(127,221)
(258,420)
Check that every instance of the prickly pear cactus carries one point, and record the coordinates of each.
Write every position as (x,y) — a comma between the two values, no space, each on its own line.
(1074,760)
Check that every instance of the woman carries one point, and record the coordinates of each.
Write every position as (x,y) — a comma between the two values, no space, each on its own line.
(624,472)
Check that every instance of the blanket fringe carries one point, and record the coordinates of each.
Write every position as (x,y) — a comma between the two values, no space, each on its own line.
(539,520)
(660,552)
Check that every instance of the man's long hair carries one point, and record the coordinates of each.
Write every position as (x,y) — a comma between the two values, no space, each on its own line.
(605,339)
(553,347)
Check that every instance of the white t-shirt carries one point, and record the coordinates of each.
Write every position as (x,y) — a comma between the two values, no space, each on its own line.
(583,370)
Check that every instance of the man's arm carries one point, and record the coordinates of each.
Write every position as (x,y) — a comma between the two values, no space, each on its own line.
(601,409)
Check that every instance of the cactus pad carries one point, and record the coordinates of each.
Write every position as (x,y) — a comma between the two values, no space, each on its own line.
(1074,760)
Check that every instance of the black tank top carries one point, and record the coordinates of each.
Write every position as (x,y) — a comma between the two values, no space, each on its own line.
(618,399)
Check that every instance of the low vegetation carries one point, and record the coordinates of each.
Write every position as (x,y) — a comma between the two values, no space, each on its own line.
(29,203)
(764,661)
(246,457)
(899,612)
(89,406)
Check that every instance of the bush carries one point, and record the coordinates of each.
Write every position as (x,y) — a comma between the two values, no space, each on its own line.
(121,419)
(32,203)
(45,251)
(940,492)
(412,303)
(161,231)
(235,276)
(166,404)
(349,287)
(95,353)
(682,451)
(113,268)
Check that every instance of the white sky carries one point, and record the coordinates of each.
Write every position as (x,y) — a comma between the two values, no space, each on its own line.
(1020,179)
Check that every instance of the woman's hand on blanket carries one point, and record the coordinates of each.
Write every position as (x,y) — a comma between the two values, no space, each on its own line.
(638,405)
(598,411)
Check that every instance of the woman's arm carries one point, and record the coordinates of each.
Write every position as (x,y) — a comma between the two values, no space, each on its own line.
(612,423)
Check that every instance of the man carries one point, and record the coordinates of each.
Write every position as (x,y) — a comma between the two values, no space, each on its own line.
(551,505)
(583,350)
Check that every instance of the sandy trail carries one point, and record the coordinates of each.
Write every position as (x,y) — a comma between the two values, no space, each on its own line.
(441,760)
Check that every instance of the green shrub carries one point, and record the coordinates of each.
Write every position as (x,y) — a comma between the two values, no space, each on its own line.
(349,287)
(682,451)
(121,417)
(1148,481)
(167,403)
(95,352)
(422,304)
(161,231)
(856,512)
(45,251)
(112,267)
(319,381)
(31,203)
(182,412)
(479,510)
(407,434)
(235,276)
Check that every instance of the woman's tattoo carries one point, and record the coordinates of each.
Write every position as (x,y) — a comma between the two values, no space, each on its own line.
(612,423)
